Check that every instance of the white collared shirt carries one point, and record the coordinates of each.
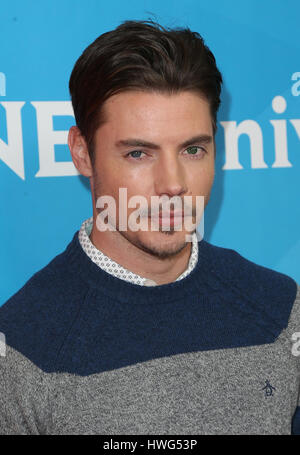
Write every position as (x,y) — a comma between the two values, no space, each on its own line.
(118,270)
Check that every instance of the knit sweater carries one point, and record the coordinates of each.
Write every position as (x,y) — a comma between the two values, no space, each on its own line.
(213,353)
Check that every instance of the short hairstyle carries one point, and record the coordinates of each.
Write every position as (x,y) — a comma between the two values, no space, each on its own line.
(141,55)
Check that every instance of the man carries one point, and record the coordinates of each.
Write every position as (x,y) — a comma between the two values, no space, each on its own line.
(149,331)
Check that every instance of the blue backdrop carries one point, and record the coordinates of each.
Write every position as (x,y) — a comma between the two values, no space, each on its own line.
(254,206)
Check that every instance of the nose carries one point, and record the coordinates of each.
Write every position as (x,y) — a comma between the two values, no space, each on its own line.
(169,176)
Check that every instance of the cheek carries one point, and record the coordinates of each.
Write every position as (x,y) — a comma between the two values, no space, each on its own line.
(135,182)
(139,180)
(112,175)
(201,180)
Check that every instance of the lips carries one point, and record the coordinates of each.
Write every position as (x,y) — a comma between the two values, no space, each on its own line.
(171,214)
(177,214)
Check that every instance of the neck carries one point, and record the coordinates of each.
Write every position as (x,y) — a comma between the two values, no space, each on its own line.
(137,255)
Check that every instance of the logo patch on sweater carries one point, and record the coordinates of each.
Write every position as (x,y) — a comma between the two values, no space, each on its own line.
(269,389)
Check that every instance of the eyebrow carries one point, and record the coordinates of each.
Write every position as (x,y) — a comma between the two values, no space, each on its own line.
(201,138)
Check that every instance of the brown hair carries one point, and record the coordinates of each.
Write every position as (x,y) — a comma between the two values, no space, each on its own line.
(141,55)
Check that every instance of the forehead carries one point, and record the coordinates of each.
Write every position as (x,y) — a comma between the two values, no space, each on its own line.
(156,114)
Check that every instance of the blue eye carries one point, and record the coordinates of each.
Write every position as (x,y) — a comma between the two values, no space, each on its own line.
(134,151)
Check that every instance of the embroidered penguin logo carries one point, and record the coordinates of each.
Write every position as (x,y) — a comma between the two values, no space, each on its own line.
(268,388)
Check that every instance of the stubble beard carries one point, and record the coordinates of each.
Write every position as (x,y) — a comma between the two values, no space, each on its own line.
(161,251)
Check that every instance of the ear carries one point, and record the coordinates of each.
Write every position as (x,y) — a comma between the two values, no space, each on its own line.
(79,152)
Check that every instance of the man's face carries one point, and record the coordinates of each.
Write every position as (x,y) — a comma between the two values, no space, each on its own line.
(153,145)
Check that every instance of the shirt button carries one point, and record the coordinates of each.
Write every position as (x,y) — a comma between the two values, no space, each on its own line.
(148,282)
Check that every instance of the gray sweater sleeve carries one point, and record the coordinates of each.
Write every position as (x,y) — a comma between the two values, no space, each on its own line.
(24,396)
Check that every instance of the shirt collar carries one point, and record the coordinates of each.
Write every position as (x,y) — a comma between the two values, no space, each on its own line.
(117,270)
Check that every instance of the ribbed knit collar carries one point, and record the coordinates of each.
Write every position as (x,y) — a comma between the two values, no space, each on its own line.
(82,266)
